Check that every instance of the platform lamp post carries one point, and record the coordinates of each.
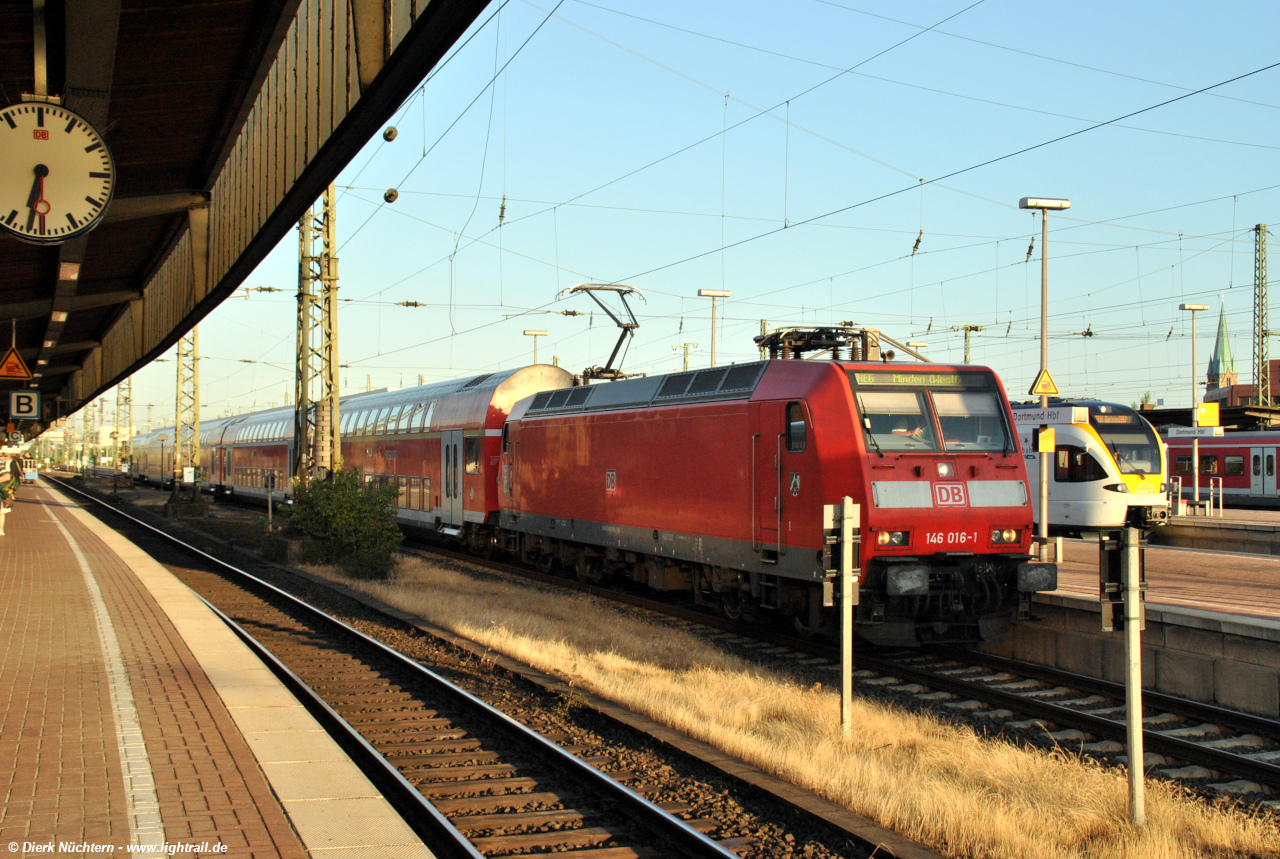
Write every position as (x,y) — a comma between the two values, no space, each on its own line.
(1044,205)
(535,335)
(713,294)
(1195,411)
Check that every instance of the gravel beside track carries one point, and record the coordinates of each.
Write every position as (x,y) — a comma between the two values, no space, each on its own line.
(1213,751)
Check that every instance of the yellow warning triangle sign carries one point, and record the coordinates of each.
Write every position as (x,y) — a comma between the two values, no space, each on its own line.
(1044,386)
(12,366)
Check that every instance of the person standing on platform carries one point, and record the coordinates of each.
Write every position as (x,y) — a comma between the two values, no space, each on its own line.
(9,482)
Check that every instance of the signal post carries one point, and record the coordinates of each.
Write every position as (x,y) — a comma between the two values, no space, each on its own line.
(1122,590)
(841,524)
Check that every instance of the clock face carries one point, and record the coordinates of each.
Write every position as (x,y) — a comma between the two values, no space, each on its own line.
(56,176)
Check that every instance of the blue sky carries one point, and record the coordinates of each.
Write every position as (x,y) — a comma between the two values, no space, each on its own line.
(758,137)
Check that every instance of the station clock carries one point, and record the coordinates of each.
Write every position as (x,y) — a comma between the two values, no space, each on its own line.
(56,176)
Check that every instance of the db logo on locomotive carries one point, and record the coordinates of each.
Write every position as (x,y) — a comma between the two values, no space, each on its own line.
(949,494)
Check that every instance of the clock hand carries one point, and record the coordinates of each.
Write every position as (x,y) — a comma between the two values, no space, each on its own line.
(36,201)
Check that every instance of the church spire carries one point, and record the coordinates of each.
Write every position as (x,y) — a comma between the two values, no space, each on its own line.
(1222,367)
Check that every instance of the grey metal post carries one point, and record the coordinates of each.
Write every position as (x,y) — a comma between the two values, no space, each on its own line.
(1195,416)
(1195,412)
(1131,570)
(1044,204)
(1044,364)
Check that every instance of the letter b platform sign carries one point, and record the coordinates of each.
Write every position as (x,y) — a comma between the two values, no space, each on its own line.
(24,405)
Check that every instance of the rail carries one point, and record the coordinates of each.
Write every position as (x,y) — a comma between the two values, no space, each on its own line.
(408,801)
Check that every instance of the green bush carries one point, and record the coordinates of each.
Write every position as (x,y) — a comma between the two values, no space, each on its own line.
(354,521)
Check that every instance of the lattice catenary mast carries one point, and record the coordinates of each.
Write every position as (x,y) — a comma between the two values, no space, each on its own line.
(317,444)
(1261,330)
(124,421)
(186,426)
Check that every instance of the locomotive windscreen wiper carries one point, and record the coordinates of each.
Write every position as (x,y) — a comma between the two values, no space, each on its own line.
(866,425)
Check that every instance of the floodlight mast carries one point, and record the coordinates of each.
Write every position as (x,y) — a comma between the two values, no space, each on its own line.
(608,372)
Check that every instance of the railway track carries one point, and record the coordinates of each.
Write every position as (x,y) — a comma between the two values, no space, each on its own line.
(1210,748)
(470,779)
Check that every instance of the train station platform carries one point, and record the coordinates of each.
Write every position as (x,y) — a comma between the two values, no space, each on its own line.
(132,718)
(1255,532)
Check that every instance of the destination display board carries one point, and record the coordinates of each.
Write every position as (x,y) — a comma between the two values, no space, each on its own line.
(1195,432)
(1053,415)
(918,379)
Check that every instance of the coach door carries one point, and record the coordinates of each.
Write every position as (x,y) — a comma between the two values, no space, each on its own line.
(767,497)
(451,476)
(1262,471)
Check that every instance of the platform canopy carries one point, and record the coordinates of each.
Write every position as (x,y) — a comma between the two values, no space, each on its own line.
(226,119)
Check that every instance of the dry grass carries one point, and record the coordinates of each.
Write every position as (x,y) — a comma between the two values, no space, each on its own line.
(933,782)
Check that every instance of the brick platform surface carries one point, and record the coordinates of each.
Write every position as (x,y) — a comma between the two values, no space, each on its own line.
(60,768)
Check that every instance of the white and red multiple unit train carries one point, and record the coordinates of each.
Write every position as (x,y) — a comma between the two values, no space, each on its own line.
(1244,461)
(712,481)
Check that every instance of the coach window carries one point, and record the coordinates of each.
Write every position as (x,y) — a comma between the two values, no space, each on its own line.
(1271,465)
(471,453)
(381,426)
(1233,465)
(1182,465)
(1208,465)
(1257,465)
(1076,465)
(796,429)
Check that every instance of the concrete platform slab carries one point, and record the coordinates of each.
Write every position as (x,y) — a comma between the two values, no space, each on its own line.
(130,715)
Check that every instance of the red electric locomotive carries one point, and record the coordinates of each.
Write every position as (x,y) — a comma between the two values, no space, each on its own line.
(712,481)
(715,481)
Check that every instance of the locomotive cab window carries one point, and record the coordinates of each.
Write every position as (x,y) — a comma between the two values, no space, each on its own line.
(797,431)
(1130,439)
(471,454)
(896,420)
(970,420)
(506,438)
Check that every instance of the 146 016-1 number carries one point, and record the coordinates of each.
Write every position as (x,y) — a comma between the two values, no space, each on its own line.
(951,538)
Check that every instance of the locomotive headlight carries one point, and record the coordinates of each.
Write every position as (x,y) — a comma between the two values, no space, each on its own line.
(1164,487)
(893,538)
(1008,535)
(1117,487)
(944,469)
